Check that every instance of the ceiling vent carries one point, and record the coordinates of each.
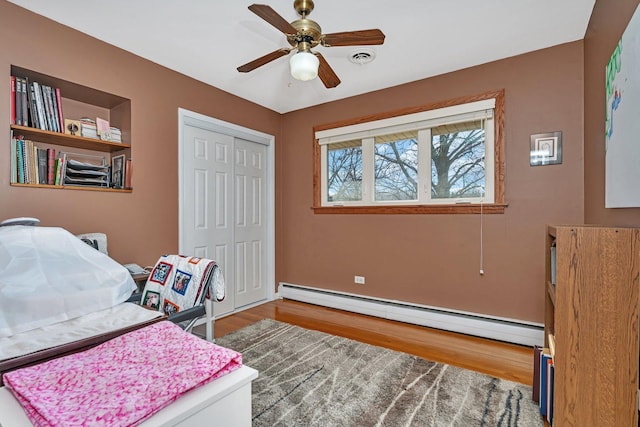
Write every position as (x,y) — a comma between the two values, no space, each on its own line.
(362,56)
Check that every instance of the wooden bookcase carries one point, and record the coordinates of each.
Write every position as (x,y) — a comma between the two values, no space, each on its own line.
(592,312)
(79,101)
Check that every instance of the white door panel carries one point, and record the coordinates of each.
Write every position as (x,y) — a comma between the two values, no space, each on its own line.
(250,230)
(224,185)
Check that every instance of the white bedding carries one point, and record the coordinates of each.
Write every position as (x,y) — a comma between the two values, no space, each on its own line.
(89,325)
(48,275)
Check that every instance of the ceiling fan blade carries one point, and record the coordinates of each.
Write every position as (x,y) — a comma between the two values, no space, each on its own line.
(326,73)
(354,38)
(250,66)
(271,16)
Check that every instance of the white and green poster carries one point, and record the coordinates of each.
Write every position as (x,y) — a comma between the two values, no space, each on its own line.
(622,127)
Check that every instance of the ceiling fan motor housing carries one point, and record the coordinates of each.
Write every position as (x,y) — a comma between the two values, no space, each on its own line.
(307,31)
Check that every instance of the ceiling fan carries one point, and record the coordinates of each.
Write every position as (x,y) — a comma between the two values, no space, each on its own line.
(303,35)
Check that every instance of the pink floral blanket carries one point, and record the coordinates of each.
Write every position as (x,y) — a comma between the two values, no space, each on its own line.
(121,382)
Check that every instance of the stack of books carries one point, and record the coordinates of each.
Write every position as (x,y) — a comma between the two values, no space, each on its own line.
(116,134)
(88,128)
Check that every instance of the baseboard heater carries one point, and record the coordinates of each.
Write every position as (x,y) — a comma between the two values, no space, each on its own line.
(509,330)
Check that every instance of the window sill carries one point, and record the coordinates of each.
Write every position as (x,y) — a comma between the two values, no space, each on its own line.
(413,209)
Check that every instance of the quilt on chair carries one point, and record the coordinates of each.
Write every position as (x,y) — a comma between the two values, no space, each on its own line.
(177,282)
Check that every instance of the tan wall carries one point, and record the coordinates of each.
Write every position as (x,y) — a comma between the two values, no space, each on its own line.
(144,224)
(434,259)
(608,22)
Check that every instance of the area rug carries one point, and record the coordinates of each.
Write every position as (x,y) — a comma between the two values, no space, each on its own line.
(310,378)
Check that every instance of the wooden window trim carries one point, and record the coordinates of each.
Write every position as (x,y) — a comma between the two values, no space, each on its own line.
(497,207)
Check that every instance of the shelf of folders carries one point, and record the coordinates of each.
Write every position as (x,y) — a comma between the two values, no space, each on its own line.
(86,170)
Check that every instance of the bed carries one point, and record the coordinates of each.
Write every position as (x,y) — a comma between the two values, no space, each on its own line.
(59,298)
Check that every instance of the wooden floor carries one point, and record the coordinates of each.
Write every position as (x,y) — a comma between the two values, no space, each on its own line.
(502,360)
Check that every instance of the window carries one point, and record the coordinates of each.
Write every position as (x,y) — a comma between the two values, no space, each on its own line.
(441,158)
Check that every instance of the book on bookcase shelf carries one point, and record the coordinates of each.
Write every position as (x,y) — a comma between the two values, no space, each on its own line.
(18,101)
(128,170)
(535,389)
(25,103)
(12,101)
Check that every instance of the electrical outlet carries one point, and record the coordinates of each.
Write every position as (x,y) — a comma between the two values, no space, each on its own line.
(359,280)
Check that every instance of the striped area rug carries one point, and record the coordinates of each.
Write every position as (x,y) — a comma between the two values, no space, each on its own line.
(310,378)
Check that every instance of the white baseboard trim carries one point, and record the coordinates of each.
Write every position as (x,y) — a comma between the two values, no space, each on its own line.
(498,328)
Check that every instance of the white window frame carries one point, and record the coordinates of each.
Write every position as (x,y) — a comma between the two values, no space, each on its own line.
(422,121)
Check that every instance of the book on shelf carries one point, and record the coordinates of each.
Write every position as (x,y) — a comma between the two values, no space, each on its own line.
(12,109)
(60,162)
(33,109)
(88,128)
(39,106)
(128,170)
(24,101)
(46,98)
(54,110)
(20,160)
(18,101)
(535,389)
(60,114)
(116,134)
(550,381)
(51,166)
(43,169)
(103,129)
(14,160)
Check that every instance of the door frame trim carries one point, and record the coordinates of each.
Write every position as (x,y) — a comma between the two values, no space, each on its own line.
(191,118)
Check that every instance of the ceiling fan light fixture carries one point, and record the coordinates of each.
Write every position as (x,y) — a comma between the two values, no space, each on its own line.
(304,66)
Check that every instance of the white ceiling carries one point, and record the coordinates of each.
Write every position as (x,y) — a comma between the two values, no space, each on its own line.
(209,39)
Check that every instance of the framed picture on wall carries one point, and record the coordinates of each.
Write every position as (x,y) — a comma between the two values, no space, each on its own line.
(117,171)
(546,149)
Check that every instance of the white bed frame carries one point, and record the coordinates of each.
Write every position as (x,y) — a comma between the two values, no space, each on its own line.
(224,402)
